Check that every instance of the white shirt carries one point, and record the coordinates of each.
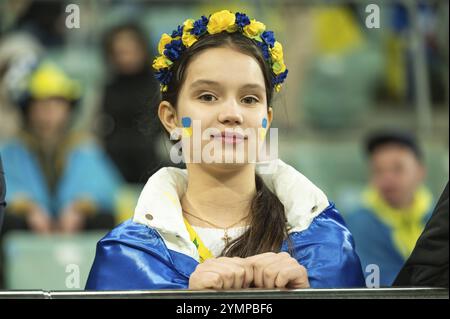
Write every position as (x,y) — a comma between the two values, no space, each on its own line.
(213,237)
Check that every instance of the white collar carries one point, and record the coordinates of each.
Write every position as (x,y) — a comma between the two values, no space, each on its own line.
(159,205)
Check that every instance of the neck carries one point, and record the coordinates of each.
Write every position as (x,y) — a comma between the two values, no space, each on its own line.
(219,196)
(405,203)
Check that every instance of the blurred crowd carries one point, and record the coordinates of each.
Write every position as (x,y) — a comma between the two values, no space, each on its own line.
(72,140)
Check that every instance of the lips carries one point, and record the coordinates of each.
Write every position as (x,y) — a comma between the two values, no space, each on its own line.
(230,137)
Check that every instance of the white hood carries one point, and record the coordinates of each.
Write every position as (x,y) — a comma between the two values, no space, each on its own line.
(159,205)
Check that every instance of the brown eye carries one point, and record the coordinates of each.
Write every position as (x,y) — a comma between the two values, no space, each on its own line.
(249,100)
(207,98)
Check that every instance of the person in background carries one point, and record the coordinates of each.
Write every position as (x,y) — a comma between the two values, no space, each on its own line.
(395,207)
(57,180)
(126,128)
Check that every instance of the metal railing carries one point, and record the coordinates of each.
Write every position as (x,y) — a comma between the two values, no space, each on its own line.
(360,293)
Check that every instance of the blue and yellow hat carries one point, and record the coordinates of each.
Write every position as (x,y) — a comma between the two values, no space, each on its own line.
(46,81)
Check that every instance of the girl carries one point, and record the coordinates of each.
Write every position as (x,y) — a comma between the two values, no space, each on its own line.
(221,225)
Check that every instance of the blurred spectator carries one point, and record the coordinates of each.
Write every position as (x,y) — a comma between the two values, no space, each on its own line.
(43,20)
(57,180)
(127,98)
(395,206)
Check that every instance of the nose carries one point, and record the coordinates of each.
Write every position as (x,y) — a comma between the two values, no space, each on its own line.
(231,114)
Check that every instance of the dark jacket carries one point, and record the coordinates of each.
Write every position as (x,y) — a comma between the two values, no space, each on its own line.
(428,263)
(2,193)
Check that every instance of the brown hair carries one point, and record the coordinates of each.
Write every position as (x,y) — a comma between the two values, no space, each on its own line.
(267,229)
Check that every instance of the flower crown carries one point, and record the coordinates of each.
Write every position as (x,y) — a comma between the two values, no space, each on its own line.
(171,47)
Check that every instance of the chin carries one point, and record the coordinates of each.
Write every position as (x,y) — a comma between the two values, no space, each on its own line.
(226,166)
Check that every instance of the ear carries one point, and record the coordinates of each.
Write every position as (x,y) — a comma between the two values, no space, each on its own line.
(168,116)
(269,117)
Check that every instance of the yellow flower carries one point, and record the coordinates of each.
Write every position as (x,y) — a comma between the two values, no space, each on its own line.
(221,21)
(254,29)
(164,88)
(277,88)
(278,67)
(276,53)
(188,25)
(161,62)
(188,38)
(165,39)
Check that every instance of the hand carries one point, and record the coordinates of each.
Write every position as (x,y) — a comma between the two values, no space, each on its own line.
(278,270)
(38,219)
(222,273)
(71,219)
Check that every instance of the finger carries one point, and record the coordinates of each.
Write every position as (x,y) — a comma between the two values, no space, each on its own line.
(248,269)
(245,268)
(284,276)
(292,275)
(243,271)
(258,263)
(270,273)
(300,279)
(257,258)
(205,280)
(226,270)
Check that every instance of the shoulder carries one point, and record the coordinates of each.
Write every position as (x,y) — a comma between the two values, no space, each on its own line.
(301,198)
(133,256)
(327,250)
(328,227)
(131,234)
(362,221)
(12,146)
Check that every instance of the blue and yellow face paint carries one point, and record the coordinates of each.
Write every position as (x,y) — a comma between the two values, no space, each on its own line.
(187,126)
(263,131)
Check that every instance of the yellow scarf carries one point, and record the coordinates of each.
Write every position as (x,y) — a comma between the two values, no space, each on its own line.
(407,223)
(203,251)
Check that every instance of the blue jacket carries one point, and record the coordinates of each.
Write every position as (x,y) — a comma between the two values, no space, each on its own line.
(377,236)
(86,173)
(156,253)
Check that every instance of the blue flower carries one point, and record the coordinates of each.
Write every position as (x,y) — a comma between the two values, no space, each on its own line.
(242,20)
(265,49)
(280,78)
(200,26)
(178,32)
(268,37)
(174,49)
(163,76)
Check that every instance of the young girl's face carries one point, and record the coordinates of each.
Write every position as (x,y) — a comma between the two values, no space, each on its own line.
(225,90)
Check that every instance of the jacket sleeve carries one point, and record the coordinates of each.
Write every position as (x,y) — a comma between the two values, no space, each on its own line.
(133,259)
(2,193)
(428,263)
(326,249)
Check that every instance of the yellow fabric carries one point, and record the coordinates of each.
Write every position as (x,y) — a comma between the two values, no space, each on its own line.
(396,78)
(407,223)
(335,30)
(203,251)
(20,205)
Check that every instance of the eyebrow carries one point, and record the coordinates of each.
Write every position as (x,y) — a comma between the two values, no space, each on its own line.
(204,82)
(217,84)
